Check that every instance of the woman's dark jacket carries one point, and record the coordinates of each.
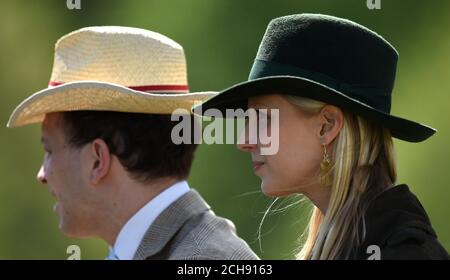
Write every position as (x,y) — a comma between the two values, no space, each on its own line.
(397,223)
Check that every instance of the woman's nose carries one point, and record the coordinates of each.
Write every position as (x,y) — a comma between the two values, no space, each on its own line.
(246,147)
(41,176)
(246,143)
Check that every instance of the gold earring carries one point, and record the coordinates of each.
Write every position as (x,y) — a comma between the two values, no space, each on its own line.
(325,167)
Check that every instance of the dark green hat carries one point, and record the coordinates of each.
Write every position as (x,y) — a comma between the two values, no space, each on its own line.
(329,59)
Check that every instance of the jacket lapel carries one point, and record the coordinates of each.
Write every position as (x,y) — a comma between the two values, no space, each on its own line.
(169,222)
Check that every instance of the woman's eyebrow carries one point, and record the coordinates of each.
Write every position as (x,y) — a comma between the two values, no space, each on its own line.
(263,106)
(259,103)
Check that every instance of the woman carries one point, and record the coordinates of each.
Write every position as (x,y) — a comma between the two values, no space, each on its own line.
(332,80)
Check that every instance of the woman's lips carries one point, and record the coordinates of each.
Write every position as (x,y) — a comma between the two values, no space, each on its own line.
(257,165)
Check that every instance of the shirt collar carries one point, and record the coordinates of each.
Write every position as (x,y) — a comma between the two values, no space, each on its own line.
(133,231)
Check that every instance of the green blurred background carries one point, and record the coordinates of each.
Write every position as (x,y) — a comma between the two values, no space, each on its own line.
(220,38)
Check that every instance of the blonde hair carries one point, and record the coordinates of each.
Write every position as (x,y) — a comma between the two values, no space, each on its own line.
(363,165)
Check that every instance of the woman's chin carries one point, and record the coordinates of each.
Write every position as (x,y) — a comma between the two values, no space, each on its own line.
(273,191)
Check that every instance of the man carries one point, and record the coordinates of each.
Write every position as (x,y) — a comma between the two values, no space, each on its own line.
(110,161)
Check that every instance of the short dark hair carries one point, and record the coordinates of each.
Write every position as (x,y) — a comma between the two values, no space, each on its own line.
(142,142)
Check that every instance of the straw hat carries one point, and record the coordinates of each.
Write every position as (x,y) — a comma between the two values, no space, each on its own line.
(109,68)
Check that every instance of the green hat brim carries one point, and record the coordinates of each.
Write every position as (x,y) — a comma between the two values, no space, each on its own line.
(237,97)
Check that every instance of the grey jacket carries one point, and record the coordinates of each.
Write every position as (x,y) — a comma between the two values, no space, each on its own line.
(189,230)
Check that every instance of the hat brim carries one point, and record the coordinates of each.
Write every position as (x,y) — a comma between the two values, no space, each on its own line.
(100,96)
(237,97)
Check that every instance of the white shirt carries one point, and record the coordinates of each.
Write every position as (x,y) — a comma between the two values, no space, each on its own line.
(132,233)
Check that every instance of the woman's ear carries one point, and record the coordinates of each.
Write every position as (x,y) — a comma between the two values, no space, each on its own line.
(331,122)
(101,161)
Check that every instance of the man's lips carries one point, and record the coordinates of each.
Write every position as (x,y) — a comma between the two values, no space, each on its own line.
(56,205)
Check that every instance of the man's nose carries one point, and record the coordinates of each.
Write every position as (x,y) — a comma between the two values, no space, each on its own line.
(41,176)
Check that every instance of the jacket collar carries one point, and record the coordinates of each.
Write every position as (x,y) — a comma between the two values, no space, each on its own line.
(169,222)
(392,210)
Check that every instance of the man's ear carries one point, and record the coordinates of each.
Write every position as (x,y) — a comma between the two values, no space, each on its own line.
(101,161)
(331,120)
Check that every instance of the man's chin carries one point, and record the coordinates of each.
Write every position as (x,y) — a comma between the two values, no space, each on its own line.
(66,230)
(71,233)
